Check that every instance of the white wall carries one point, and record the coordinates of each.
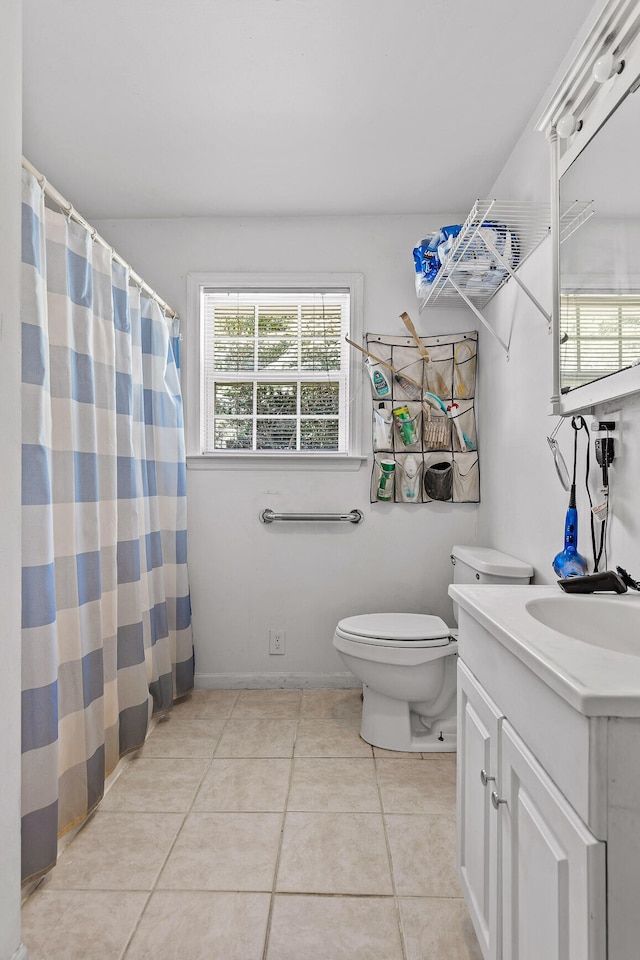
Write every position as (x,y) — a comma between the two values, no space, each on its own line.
(524,505)
(603,250)
(247,577)
(10,149)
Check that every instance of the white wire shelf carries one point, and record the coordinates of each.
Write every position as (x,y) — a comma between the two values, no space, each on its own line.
(497,237)
(572,215)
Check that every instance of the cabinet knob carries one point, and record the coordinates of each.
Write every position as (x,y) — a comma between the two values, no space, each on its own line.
(484,779)
(495,799)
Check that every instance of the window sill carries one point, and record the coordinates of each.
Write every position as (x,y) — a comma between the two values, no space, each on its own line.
(281,461)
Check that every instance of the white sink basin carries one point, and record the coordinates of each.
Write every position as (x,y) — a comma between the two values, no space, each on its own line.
(611,623)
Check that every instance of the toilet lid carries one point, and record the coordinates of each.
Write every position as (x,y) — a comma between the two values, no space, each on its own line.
(403,627)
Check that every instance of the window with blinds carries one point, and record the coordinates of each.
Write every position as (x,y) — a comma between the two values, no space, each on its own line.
(274,370)
(599,334)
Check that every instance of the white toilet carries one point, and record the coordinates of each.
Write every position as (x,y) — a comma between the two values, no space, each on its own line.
(407,662)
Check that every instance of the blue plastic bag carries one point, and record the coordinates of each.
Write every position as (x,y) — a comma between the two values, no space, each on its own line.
(429,255)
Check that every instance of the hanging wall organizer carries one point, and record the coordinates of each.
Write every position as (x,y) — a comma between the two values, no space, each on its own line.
(423,417)
(489,248)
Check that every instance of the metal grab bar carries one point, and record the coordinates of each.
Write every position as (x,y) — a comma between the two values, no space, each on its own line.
(355,516)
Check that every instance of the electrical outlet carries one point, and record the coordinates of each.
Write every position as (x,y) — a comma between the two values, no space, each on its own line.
(608,425)
(276,641)
(607,429)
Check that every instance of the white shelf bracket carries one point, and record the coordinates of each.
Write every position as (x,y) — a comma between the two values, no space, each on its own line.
(507,266)
(479,315)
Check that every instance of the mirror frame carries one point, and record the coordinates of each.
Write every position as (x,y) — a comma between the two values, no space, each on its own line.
(615,28)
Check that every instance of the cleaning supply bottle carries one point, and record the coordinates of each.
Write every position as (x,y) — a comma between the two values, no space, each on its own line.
(411,389)
(383,423)
(410,478)
(379,379)
(385,483)
(405,424)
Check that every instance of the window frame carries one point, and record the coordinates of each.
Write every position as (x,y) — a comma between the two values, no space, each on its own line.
(192,372)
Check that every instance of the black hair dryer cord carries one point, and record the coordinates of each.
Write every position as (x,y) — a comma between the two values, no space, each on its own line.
(579,423)
(630,582)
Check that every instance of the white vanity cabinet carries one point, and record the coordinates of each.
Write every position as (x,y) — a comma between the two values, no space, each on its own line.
(477,829)
(553,868)
(533,874)
(549,772)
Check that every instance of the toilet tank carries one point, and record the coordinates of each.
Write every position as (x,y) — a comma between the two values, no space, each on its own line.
(484,565)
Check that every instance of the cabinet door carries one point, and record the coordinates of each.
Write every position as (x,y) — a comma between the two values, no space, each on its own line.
(477,857)
(553,868)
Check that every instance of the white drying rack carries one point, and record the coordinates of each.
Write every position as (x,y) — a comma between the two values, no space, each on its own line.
(474,270)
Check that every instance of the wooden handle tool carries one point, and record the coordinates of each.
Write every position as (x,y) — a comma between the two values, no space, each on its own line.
(408,322)
(383,362)
(437,384)
(425,406)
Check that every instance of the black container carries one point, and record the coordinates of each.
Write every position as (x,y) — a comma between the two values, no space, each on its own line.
(438,481)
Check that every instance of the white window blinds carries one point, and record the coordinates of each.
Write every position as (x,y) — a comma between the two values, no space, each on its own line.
(600,334)
(274,370)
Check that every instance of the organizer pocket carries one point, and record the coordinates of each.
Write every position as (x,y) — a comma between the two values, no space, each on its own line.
(463,422)
(438,478)
(382,427)
(464,370)
(408,478)
(466,478)
(383,478)
(407,418)
(436,432)
(438,377)
(409,367)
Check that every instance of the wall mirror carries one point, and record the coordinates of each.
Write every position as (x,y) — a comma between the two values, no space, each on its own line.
(593,125)
(599,277)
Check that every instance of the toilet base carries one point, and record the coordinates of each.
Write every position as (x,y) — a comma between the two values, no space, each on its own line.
(392,725)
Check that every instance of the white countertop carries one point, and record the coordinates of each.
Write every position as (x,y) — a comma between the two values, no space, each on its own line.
(595,681)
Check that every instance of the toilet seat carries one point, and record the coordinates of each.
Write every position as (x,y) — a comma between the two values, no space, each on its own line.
(395,630)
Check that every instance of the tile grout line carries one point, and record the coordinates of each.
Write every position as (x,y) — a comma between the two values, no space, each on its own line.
(126,949)
(154,887)
(112,780)
(391,871)
(284,816)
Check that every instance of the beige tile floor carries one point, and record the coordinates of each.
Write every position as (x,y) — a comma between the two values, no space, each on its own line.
(257,825)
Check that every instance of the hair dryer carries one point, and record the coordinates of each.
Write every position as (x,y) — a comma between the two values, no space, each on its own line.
(570,563)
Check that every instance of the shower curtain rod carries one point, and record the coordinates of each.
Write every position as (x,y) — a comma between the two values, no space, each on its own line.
(71,212)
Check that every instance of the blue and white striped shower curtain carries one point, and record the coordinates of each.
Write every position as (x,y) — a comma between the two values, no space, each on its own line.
(105,596)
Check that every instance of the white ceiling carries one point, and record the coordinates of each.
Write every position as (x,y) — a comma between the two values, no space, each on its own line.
(168,108)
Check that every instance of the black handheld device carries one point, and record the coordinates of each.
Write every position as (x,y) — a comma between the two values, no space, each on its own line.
(606,582)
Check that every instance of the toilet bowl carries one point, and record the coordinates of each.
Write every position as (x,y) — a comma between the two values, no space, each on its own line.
(407,662)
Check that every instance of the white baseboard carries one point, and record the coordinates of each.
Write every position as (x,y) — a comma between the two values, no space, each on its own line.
(21,953)
(277,681)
